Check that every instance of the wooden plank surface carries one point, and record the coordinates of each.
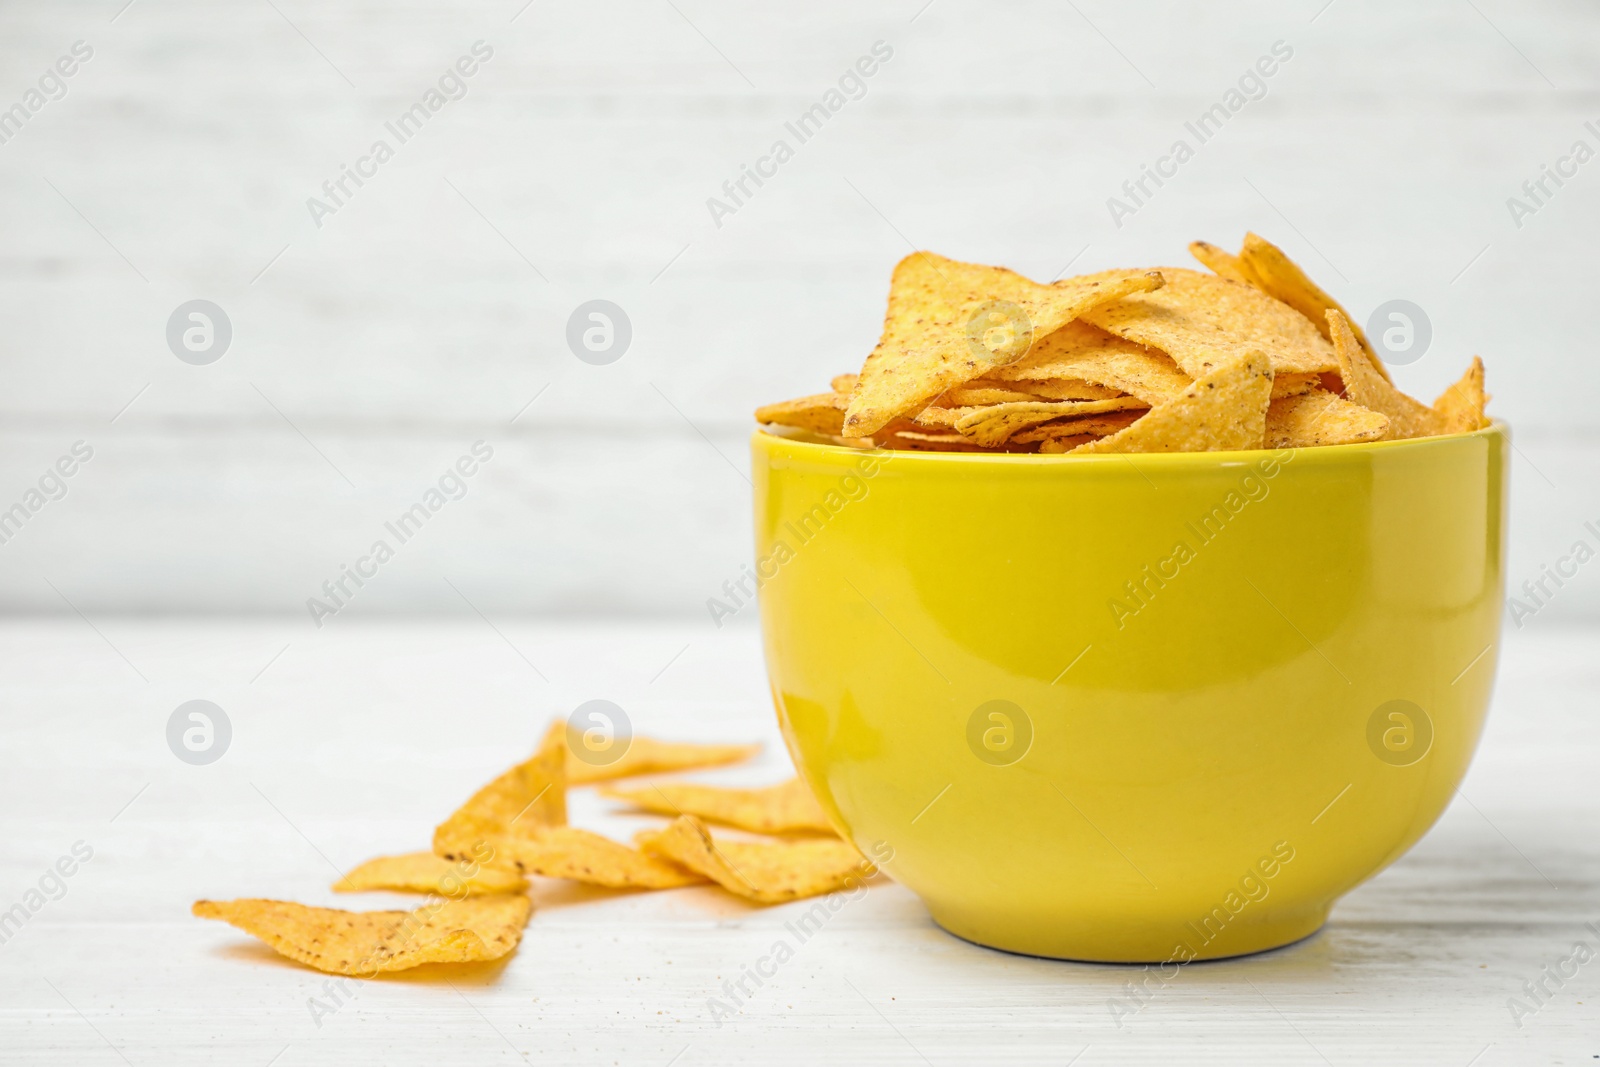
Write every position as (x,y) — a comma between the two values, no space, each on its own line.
(354,742)
(432,307)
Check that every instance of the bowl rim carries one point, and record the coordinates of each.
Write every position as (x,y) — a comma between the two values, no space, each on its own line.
(803,442)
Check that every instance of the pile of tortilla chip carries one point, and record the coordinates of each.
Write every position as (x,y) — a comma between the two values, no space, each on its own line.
(1251,355)
(475,878)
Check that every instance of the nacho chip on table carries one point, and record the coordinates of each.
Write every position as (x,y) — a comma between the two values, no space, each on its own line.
(1366,386)
(533,793)
(425,872)
(788,807)
(582,856)
(646,755)
(949,322)
(1223,411)
(1320,418)
(1281,278)
(1461,406)
(1082,350)
(367,943)
(1200,320)
(766,873)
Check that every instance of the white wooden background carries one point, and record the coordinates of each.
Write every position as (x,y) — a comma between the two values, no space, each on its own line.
(358,742)
(430,310)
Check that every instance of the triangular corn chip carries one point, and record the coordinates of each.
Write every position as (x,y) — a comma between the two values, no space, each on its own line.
(1056,388)
(918,441)
(581,856)
(843,383)
(974,395)
(950,322)
(1081,350)
(1200,320)
(1461,406)
(765,873)
(648,756)
(822,413)
(366,943)
(1294,384)
(424,872)
(1222,262)
(994,425)
(787,807)
(1057,445)
(1282,279)
(1088,426)
(1362,383)
(1320,418)
(533,793)
(1223,411)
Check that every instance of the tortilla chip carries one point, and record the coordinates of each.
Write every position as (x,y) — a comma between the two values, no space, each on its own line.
(785,808)
(1084,426)
(1200,320)
(1059,388)
(581,856)
(843,383)
(821,413)
(1294,384)
(1222,263)
(1081,350)
(533,793)
(1461,406)
(994,425)
(1223,411)
(1282,279)
(424,872)
(366,943)
(1057,445)
(767,873)
(1320,418)
(648,756)
(950,322)
(917,441)
(1362,383)
(981,396)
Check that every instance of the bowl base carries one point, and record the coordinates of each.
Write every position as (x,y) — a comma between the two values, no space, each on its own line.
(1155,944)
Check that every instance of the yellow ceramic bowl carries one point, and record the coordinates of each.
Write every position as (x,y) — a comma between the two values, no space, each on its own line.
(1132,708)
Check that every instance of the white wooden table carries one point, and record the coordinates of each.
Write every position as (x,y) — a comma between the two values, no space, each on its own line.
(354,740)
